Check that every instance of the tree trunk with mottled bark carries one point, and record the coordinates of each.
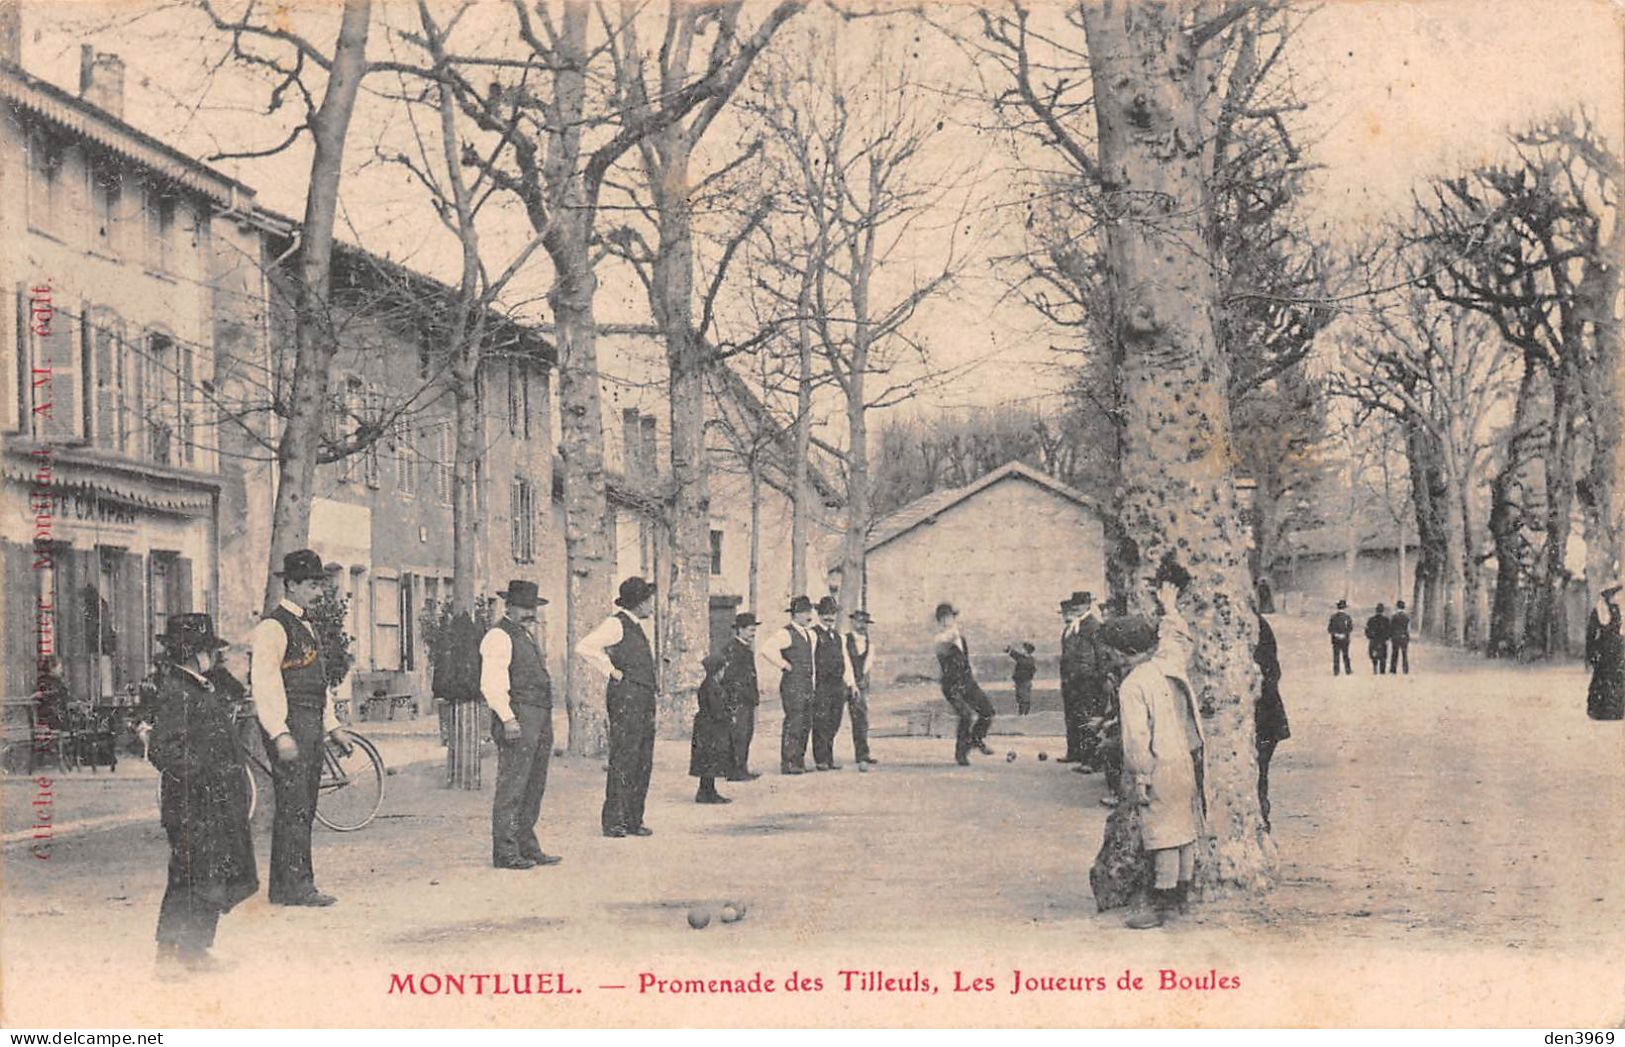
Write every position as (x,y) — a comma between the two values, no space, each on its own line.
(315,342)
(1178,491)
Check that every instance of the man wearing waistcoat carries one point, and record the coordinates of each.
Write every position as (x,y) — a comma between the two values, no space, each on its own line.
(860,655)
(832,682)
(290,697)
(619,647)
(743,696)
(791,652)
(519,693)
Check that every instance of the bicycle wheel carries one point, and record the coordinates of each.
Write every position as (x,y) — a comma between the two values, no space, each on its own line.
(351,788)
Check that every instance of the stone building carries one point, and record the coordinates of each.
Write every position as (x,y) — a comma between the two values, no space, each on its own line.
(110,434)
(1004,550)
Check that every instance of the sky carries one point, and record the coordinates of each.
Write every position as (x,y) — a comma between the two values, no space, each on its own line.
(1400,91)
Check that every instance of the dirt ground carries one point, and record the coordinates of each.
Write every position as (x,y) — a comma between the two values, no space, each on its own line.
(1451,844)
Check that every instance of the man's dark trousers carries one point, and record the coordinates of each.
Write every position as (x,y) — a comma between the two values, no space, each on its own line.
(521,781)
(1340,657)
(797,700)
(740,732)
(631,753)
(858,699)
(1399,654)
(829,704)
(295,783)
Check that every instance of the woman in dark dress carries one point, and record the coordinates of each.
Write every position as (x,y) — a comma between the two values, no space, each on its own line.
(1605,653)
(1269,713)
(204,797)
(710,754)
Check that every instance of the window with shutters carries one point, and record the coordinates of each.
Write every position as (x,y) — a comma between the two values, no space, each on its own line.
(51,371)
(110,380)
(716,552)
(162,211)
(523,522)
(406,461)
(370,473)
(445,454)
(47,203)
(386,623)
(106,206)
(515,406)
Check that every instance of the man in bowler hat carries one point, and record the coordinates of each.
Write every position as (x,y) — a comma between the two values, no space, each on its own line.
(743,695)
(959,687)
(1071,714)
(289,682)
(791,652)
(620,648)
(519,693)
(832,682)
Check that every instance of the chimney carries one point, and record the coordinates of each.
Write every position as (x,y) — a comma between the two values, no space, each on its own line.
(101,80)
(11,32)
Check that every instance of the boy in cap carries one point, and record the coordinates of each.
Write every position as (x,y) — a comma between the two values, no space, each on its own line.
(743,695)
(960,688)
(791,652)
(519,692)
(289,680)
(710,747)
(619,647)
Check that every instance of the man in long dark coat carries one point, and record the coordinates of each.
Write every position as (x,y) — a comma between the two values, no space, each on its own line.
(1091,681)
(194,744)
(1270,726)
(1605,654)
(710,750)
(517,689)
(743,695)
(619,646)
(1376,638)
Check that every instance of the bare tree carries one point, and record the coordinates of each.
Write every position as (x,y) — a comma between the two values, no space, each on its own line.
(858,200)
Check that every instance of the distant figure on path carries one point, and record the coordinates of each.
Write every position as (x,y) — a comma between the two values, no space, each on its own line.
(1269,713)
(1399,640)
(960,688)
(1341,628)
(1022,676)
(1376,636)
(1605,653)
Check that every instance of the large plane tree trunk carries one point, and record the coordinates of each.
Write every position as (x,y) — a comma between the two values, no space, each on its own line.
(1177,490)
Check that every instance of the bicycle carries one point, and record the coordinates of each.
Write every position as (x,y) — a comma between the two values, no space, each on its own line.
(350,790)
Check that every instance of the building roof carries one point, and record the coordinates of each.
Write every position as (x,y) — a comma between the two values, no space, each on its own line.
(1333,540)
(925,509)
(728,384)
(26,92)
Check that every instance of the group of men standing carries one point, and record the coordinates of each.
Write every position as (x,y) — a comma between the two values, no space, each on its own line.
(1388,639)
(823,672)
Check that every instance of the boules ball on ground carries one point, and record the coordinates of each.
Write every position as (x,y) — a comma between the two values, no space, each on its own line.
(863,768)
(698,918)
(1010,757)
(1043,756)
(730,914)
